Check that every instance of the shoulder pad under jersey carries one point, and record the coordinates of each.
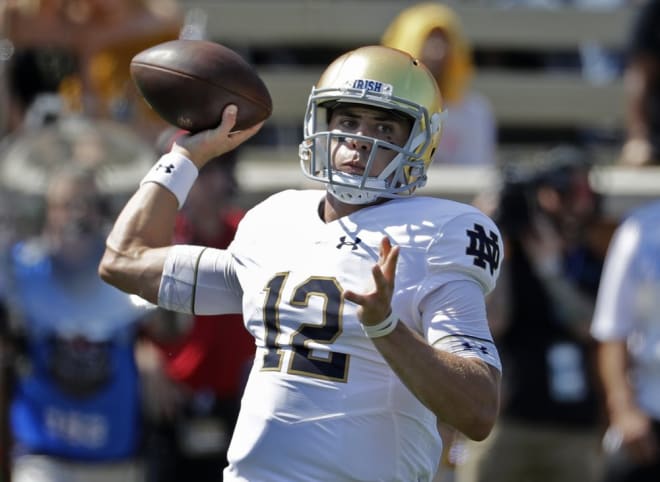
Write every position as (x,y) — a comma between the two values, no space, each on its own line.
(469,243)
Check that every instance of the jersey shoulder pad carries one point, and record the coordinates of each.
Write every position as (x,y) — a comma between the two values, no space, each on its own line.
(468,242)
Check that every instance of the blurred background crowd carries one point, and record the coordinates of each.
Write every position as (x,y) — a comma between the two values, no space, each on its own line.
(553,129)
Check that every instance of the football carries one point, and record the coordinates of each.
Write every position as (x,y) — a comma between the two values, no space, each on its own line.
(189,83)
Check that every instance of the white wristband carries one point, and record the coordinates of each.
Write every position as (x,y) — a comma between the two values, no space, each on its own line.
(383,328)
(175,172)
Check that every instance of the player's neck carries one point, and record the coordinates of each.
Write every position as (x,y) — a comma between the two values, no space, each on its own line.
(332,208)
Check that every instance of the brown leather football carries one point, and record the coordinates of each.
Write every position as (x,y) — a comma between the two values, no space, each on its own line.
(190,82)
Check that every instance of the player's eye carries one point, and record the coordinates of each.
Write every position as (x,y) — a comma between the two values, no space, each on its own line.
(386,129)
(348,123)
(391,133)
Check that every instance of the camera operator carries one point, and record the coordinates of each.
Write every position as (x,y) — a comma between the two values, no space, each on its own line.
(549,429)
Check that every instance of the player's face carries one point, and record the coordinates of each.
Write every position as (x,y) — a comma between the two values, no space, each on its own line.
(350,154)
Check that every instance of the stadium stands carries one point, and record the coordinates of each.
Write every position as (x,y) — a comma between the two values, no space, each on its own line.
(534,65)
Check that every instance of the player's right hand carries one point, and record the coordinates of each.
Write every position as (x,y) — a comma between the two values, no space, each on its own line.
(206,145)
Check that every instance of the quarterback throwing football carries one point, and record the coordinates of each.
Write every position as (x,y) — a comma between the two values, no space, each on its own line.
(366,303)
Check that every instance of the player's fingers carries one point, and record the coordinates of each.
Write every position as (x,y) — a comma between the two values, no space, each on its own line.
(379,278)
(235,138)
(205,145)
(221,132)
(228,122)
(384,250)
(354,297)
(381,299)
(238,137)
(388,261)
(389,266)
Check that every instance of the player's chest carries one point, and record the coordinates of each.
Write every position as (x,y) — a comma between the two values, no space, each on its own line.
(329,251)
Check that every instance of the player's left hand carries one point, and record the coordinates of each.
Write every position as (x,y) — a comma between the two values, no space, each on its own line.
(376,305)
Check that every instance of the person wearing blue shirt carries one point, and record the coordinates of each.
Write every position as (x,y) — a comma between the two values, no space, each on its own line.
(75,407)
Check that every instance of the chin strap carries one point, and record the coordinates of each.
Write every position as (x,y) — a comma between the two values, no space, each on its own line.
(348,191)
(352,195)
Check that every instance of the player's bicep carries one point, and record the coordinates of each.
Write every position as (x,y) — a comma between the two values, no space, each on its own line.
(199,280)
(133,271)
(454,320)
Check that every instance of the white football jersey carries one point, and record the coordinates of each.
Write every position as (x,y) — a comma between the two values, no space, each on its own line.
(321,403)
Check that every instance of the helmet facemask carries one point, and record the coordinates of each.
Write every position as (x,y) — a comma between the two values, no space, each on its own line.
(404,173)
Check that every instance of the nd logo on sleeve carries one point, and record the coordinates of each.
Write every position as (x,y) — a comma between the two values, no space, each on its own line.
(484,247)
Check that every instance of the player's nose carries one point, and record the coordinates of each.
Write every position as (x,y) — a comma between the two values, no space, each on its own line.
(359,142)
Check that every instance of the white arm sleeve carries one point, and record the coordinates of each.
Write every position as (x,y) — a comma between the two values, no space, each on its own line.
(199,280)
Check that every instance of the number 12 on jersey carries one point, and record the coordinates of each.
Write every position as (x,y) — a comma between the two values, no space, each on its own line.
(305,360)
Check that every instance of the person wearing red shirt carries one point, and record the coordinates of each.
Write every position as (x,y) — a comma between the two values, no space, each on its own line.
(210,361)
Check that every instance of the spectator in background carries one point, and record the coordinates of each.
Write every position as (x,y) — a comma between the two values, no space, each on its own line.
(433,33)
(549,426)
(80,50)
(627,326)
(37,54)
(642,89)
(111,34)
(210,363)
(75,403)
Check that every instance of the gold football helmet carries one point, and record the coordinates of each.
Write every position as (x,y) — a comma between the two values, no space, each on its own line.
(384,78)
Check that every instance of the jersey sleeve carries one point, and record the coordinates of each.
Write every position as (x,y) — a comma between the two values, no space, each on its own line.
(468,245)
(454,320)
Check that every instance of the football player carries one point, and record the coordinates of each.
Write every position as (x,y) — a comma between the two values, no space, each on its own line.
(366,303)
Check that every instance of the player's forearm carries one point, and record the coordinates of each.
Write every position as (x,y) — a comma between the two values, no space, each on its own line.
(137,245)
(463,393)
